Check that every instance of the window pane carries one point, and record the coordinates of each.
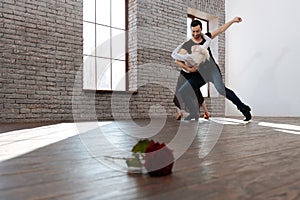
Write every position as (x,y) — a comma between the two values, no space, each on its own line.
(118,75)
(103,41)
(103,74)
(103,12)
(118,13)
(188,30)
(88,38)
(118,44)
(204,26)
(89,79)
(89,10)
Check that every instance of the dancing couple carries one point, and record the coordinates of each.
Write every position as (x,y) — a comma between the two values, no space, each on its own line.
(198,68)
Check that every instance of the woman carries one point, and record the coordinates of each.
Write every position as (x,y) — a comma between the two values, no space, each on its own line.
(199,54)
(183,77)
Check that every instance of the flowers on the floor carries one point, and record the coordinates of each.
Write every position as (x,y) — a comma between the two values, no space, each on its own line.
(156,157)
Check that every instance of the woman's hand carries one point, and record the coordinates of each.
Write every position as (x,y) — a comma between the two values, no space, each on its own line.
(192,69)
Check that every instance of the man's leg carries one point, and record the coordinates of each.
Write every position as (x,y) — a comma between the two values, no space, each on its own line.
(216,79)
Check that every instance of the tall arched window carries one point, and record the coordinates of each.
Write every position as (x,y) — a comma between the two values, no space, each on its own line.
(104,44)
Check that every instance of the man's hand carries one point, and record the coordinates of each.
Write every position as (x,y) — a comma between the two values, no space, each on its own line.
(224,27)
(237,19)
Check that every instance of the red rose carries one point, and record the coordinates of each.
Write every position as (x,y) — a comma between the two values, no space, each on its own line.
(159,159)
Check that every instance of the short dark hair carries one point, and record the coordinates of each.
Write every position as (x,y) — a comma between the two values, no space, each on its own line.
(196,22)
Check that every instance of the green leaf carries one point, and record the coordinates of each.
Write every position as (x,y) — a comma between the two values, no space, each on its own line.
(134,162)
(141,146)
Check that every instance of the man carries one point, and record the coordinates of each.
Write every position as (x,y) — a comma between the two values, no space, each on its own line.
(209,70)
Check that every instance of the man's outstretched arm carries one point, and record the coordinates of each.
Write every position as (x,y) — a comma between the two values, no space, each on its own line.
(225,26)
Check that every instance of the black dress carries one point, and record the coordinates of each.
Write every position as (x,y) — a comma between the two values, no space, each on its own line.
(183,77)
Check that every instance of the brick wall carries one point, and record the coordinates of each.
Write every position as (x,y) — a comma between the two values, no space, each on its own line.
(41,60)
(41,50)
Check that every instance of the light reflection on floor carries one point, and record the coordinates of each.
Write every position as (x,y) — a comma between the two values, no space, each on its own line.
(20,142)
(223,120)
(285,128)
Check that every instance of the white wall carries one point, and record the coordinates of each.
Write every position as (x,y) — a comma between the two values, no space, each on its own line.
(262,56)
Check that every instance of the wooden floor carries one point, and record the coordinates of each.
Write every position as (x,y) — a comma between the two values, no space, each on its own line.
(256,160)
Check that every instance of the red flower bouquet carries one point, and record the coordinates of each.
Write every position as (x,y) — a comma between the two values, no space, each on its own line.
(157,158)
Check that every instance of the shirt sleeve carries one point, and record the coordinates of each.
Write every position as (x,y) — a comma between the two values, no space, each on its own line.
(175,55)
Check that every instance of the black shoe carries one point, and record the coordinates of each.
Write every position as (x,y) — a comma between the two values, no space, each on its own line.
(247,115)
(246,112)
(190,117)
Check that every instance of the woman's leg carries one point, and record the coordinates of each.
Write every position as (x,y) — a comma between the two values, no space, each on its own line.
(200,98)
(183,77)
(206,113)
(179,111)
(187,95)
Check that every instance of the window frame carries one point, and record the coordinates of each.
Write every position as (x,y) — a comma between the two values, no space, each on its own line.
(111,57)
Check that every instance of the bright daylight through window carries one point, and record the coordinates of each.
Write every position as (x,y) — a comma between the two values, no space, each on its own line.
(104,45)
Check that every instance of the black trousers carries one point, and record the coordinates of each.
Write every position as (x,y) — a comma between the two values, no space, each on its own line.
(210,72)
